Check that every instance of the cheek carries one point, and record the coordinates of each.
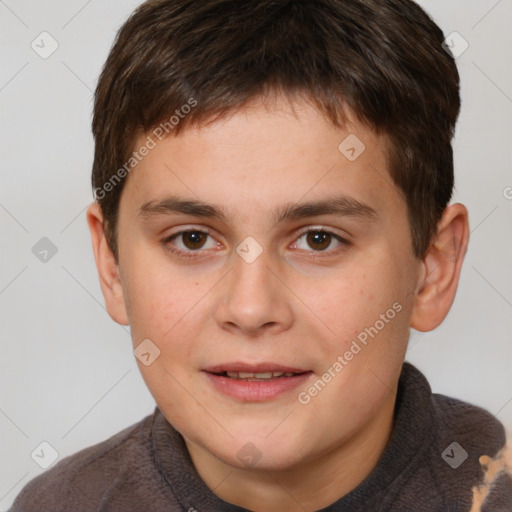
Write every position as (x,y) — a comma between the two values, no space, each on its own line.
(365,305)
(343,301)
(155,301)
(168,308)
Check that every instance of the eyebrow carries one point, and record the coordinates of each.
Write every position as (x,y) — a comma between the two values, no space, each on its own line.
(341,206)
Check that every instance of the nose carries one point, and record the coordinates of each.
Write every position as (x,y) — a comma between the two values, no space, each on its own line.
(253,300)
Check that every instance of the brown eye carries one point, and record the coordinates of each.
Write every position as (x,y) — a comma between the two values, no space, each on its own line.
(193,239)
(191,243)
(319,240)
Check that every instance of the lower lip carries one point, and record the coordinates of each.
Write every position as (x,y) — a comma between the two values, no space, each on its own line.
(256,391)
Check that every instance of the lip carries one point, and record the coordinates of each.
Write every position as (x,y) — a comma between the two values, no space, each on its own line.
(240,366)
(255,391)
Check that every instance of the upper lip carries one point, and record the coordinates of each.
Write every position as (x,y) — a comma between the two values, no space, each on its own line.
(252,368)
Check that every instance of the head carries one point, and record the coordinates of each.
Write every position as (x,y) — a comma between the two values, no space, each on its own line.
(305,150)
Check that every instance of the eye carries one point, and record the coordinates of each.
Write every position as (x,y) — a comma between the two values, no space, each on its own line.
(191,241)
(319,240)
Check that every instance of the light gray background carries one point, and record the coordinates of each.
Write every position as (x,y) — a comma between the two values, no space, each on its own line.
(67,372)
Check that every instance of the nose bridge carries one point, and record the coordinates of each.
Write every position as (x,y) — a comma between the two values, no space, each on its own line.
(251,280)
(252,296)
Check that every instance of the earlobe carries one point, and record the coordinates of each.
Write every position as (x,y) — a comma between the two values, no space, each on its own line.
(108,268)
(440,272)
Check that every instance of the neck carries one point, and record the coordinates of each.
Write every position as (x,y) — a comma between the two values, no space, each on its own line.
(312,485)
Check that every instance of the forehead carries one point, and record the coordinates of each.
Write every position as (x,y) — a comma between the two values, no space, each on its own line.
(263,156)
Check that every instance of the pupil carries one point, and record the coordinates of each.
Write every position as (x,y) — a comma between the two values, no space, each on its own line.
(319,240)
(193,239)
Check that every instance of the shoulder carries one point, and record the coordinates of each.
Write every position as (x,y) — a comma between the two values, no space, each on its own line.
(84,477)
(480,430)
(449,419)
(461,458)
(476,439)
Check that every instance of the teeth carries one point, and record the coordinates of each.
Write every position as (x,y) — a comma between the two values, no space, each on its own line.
(245,375)
(260,375)
(264,375)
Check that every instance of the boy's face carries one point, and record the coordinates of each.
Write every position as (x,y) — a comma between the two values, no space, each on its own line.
(212,302)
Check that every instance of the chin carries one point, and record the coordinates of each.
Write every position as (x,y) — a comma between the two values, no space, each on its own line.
(252,451)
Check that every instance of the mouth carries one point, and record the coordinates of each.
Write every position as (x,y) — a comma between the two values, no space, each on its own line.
(257,376)
(255,383)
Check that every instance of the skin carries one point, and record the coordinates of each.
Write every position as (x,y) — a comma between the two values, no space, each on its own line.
(297,304)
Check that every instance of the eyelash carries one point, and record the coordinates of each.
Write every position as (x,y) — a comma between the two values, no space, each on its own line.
(180,252)
(198,253)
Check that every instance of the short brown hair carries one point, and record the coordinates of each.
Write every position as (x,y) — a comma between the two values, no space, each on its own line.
(384,59)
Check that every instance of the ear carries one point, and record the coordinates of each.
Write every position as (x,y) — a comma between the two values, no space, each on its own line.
(440,272)
(108,268)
